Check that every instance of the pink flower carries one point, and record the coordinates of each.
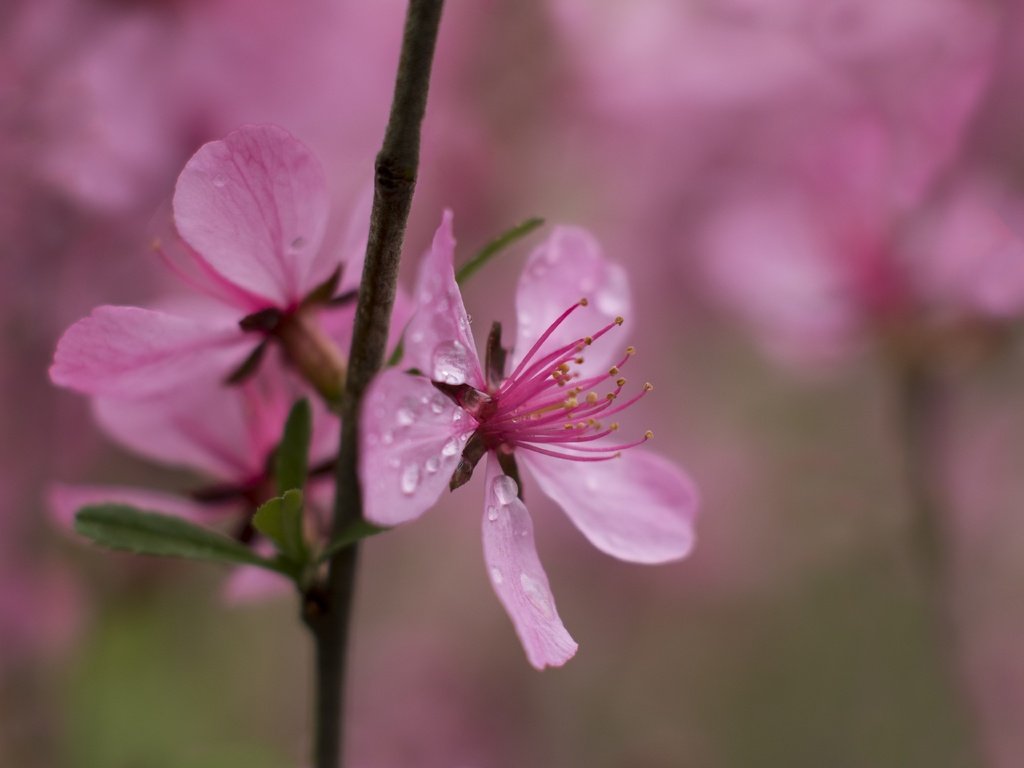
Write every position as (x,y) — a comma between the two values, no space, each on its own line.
(422,433)
(225,434)
(251,211)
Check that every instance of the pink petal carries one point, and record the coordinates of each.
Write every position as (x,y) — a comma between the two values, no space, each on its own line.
(411,439)
(639,507)
(134,352)
(219,431)
(254,207)
(567,267)
(517,575)
(353,242)
(250,584)
(202,428)
(439,341)
(65,500)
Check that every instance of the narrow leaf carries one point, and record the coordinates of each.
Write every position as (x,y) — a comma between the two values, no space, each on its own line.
(291,463)
(495,247)
(118,526)
(280,520)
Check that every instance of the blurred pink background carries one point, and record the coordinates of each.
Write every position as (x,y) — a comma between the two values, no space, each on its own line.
(811,196)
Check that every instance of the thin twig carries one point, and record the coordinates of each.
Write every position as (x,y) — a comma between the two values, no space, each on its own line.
(328,608)
(923,410)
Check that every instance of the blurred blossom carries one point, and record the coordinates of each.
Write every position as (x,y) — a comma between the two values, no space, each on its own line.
(226,435)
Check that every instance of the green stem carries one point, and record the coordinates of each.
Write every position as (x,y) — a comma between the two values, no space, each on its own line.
(327,608)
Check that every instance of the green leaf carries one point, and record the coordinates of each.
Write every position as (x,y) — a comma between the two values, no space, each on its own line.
(118,526)
(291,463)
(280,520)
(494,247)
(356,531)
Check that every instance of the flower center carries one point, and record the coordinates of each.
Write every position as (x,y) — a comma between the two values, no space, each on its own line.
(547,405)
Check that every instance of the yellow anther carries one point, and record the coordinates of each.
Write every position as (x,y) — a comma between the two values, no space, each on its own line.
(618,454)
(613,426)
(620,382)
(610,396)
(593,423)
(613,371)
(619,320)
(571,403)
(648,435)
(592,397)
(579,361)
(648,386)
(581,425)
(631,350)
(588,340)
(569,425)
(584,301)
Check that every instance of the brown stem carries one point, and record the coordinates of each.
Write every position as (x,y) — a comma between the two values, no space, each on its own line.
(923,406)
(327,608)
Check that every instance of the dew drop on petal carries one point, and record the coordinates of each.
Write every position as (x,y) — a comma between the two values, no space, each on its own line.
(387,438)
(496,576)
(436,404)
(410,479)
(220,180)
(450,448)
(451,361)
(404,416)
(432,465)
(536,594)
(492,513)
(505,489)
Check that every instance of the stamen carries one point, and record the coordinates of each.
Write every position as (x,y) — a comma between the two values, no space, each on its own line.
(543,337)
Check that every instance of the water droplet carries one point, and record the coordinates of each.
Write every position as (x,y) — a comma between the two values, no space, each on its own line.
(416,337)
(404,416)
(410,479)
(496,576)
(450,448)
(437,404)
(387,438)
(451,361)
(432,465)
(492,513)
(220,180)
(298,243)
(536,594)
(505,489)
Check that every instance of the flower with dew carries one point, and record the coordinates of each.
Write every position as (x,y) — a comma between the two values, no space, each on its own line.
(251,213)
(229,437)
(551,407)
